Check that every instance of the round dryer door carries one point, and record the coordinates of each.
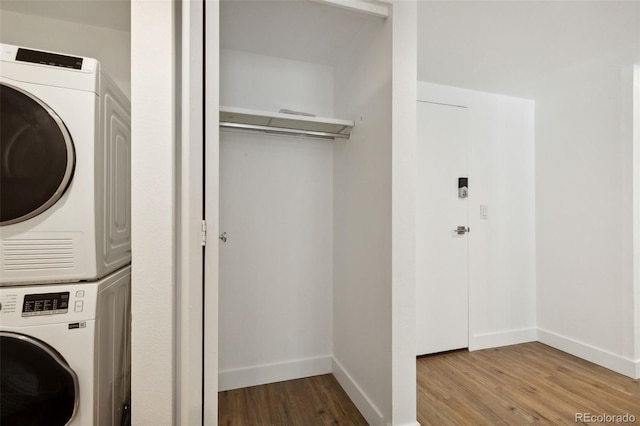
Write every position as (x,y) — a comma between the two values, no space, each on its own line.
(37,386)
(36,153)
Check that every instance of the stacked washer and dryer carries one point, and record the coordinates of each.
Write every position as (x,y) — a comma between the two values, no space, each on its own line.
(65,248)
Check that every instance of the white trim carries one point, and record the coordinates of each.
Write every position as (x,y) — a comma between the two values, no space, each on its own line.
(272,373)
(189,292)
(403,211)
(212,152)
(590,353)
(636,214)
(362,6)
(367,408)
(502,338)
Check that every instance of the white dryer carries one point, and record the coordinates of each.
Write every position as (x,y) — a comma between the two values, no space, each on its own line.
(65,354)
(65,157)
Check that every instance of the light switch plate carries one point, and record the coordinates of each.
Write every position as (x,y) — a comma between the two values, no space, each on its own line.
(484,212)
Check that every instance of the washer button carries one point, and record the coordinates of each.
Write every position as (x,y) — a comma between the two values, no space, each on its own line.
(80,293)
(79,305)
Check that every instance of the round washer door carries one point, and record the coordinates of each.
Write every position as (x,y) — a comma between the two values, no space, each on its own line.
(37,157)
(37,386)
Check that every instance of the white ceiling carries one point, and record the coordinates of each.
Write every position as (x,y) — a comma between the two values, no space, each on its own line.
(507,47)
(511,47)
(114,14)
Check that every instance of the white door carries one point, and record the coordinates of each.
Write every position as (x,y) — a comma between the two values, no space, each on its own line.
(441,252)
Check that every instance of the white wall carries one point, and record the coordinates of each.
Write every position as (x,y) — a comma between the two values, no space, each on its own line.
(111,47)
(403,205)
(584,172)
(153,212)
(269,83)
(362,344)
(276,205)
(502,269)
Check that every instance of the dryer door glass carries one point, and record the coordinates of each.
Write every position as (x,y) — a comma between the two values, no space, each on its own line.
(37,387)
(37,157)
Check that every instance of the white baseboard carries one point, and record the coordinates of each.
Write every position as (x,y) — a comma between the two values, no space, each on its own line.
(271,373)
(590,353)
(367,408)
(406,424)
(502,338)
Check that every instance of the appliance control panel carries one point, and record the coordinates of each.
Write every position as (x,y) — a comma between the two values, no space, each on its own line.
(42,59)
(47,304)
(48,58)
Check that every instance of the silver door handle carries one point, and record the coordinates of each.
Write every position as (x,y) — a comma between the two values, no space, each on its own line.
(223,237)
(461,230)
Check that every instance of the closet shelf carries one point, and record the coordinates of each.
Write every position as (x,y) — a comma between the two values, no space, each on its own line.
(274,122)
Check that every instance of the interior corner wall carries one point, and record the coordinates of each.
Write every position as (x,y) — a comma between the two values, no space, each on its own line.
(584,211)
(362,339)
(111,47)
(502,268)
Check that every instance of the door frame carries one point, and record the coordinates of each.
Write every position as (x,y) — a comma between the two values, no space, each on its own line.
(211,194)
(191,309)
(190,189)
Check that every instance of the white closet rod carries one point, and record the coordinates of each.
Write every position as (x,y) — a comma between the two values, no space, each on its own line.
(283,130)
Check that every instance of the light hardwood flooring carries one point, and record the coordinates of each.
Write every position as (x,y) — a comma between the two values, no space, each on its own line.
(518,385)
(511,385)
(317,400)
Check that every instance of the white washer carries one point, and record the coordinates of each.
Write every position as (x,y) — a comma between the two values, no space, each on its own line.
(66,166)
(65,354)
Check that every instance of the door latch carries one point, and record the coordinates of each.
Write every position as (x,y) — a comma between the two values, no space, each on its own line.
(461,230)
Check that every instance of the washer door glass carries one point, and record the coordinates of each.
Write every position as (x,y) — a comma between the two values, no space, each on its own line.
(37,387)
(36,156)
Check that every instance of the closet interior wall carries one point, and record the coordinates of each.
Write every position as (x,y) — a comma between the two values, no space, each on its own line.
(305,276)
(276,205)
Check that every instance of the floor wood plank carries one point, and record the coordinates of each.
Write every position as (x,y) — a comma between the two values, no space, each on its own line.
(517,385)
(511,385)
(317,400)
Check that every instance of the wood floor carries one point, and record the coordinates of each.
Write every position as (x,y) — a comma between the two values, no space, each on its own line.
(311,401)
(511,385)
(518,385)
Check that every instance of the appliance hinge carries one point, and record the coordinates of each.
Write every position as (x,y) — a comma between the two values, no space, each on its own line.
(203,233)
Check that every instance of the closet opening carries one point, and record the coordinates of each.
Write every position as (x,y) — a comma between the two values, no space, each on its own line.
(304,198)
